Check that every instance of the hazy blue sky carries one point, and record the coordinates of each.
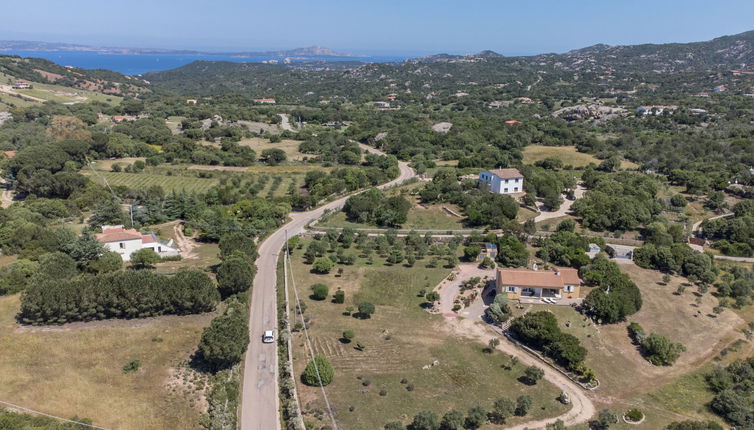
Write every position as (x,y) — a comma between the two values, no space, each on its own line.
(375,27)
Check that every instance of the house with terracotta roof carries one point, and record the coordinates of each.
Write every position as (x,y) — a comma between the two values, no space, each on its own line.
(558,282)
(120,118)
(22,85)
(117,238)
(503,181)
(9,154)
(266,101)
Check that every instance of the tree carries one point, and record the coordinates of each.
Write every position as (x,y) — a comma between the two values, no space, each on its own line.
(432,296)
(237,241)
(366,310)
(533,374)
(523,405)
(694,425)
(452,420)
(143,258)
(425,420)
(395,425)
(557,425)
(660,351)
(322,265)
(511,252)
(273,156)
(502,409)
(55,265)
(475,418)
(107,262)
(224,342)
(235,274)
(319,366)
(320,291)
(604,419)
(85,250)
(470,253)
(107,212)
(499,311)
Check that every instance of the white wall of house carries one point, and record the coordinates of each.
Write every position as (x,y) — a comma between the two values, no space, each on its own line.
(124,247)
(502,186)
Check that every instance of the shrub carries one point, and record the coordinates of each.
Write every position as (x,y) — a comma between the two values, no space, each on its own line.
(235,274)
(539,330)
(348,335)
(475,418)
(322,365)
(340,297)
(132,366)
(634,415)
(470,253)
(425,420)
(533,374)
(143,258)
(320,291)
(366,310)
(322,265)
(660,351)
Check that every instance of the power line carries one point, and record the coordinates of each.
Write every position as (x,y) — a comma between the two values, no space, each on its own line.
(51,416)
(308,339)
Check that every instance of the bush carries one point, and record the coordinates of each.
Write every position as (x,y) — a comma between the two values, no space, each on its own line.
(634,415)
(237,241)
(322,365)
(470,253)
(694,425)
(143,258)
(425,420)
(475,418)
(533,374)
(322,265)
(366,310)
(660,351)
(348,335)
(340,296)
(132,366)
(320,291)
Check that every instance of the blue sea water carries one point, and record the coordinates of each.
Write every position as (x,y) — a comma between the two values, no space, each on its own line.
(135,64)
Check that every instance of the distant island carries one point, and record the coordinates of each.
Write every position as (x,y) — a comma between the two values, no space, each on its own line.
(26,45)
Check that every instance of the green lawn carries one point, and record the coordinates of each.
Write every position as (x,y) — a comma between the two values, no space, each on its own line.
(568,154)
(399,340)
(427,217)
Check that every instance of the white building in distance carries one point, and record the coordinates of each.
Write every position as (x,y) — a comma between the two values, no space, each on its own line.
(127,241)
(503,181)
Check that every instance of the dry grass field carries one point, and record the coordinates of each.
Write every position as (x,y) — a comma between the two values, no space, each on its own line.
(400,339)
(76,369)
(568,154)
(627,379)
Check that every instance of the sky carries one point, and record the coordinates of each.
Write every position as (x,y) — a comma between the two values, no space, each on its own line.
(375,27)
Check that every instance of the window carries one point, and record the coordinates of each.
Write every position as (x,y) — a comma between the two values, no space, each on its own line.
(511,289)
(159,249)
(122,245)
(505,190)
(506,181)
(515,189)
(569,289)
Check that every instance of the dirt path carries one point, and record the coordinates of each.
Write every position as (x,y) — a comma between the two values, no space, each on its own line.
(186,245)
(582,409)
(285,124)
(5,89)
(564,208)
(6,197)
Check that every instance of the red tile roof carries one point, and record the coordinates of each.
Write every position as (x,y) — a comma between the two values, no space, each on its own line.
(507,173)
(539,278)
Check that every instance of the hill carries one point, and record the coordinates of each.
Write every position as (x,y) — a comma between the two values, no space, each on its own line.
(47,72)
(427,75)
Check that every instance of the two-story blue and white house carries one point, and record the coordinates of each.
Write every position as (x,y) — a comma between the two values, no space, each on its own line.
(503,181)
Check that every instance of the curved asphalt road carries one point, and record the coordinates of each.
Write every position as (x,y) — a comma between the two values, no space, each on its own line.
(259,401)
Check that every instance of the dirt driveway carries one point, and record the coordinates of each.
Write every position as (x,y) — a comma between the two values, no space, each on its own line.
(564,209)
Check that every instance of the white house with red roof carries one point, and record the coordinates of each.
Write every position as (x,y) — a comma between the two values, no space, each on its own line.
(503,181)
(117,238)
(556,283)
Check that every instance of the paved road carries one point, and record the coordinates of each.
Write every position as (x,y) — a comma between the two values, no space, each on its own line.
(259,402)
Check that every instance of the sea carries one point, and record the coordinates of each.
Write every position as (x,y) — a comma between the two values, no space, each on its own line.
(136,64)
